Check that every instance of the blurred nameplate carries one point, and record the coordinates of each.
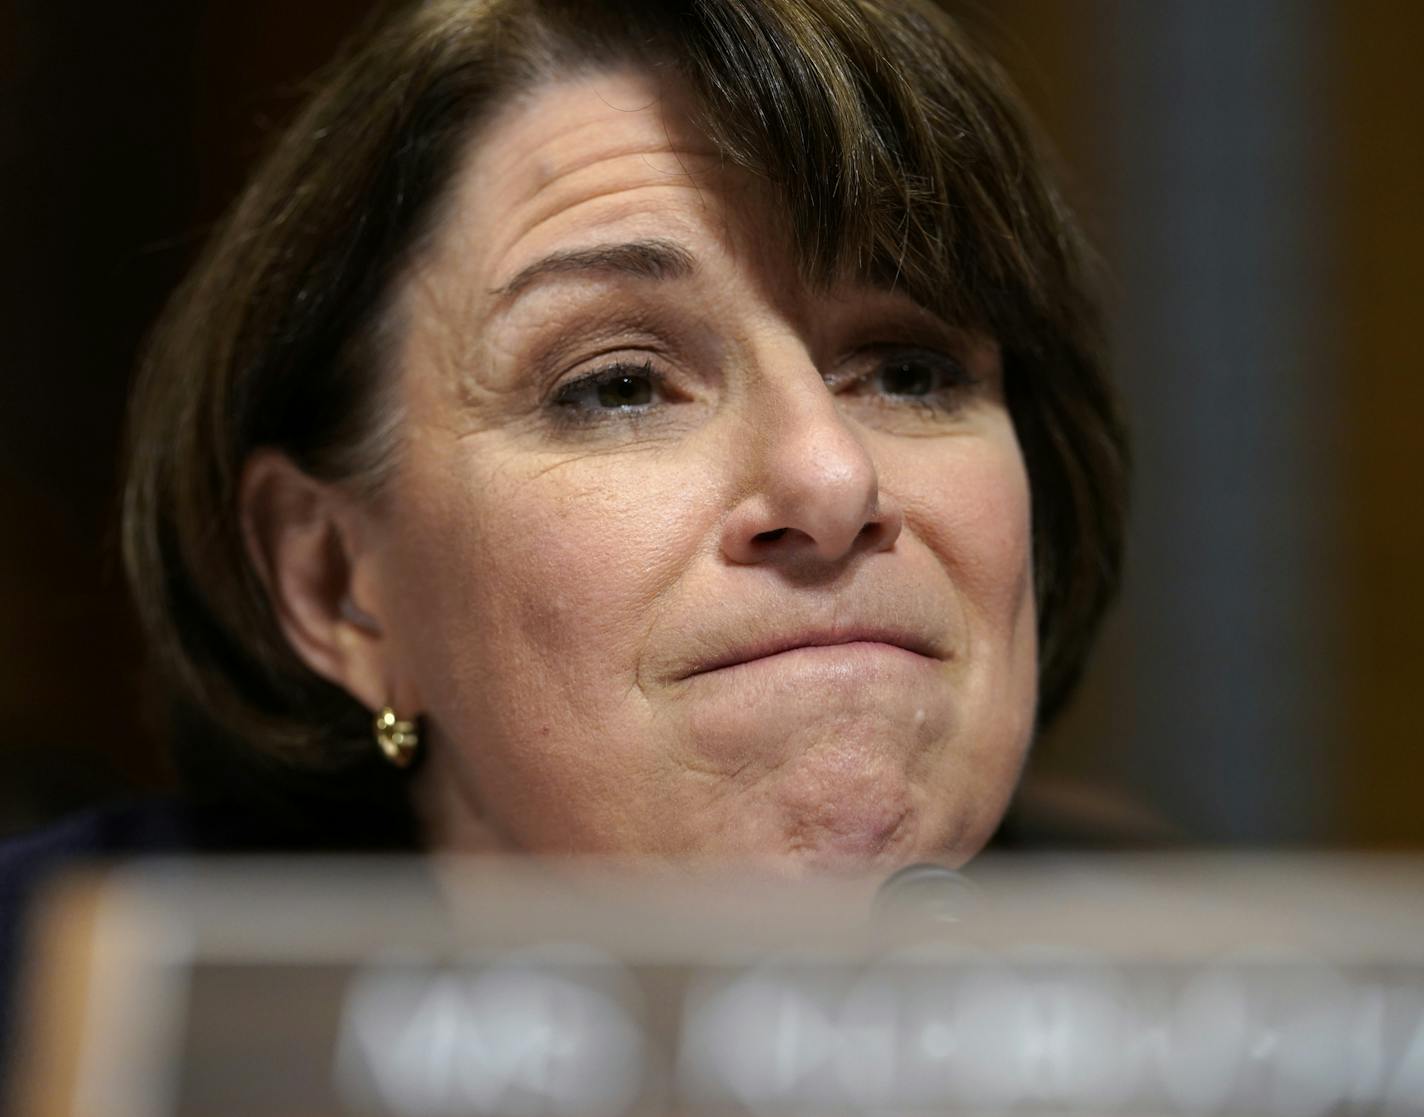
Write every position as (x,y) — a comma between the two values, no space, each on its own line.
(1290,986)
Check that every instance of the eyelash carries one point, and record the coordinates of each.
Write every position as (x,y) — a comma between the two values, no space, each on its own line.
(571,401)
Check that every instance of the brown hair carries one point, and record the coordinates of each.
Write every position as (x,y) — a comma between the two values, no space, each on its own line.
(897,150)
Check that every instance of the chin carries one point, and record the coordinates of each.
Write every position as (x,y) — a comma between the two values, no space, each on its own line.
(871,840)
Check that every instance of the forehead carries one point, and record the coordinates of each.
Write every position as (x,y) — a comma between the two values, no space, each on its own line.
(569,161)
(605,159)
(602,176)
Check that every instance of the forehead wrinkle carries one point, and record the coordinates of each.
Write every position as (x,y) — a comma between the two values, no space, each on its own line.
(551,171)
(648,97)
(654,109)
(622,211)
(570,191)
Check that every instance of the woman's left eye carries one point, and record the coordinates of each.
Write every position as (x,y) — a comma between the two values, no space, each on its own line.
(918,376)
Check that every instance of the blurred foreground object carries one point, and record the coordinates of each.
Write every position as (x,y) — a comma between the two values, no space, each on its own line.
(1125,985)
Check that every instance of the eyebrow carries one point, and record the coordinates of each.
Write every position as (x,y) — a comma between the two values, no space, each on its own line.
(641,259)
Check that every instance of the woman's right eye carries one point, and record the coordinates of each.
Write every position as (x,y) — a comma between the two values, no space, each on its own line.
(626,388)
(624,391)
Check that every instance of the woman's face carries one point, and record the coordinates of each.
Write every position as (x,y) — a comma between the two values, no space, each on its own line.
(683,557)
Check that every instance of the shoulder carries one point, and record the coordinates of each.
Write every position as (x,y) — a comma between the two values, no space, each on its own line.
(97,834)
(141,829)
(104,830)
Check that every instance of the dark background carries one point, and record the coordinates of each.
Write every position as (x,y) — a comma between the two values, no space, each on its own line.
(1253,173)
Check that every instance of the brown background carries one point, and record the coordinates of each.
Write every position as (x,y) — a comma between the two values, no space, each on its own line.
(124,131)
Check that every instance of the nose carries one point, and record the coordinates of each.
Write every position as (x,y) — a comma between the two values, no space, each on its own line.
(811,489)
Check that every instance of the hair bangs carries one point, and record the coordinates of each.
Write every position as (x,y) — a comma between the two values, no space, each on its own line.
(881,174)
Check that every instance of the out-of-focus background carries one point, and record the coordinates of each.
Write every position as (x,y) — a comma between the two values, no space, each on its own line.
(1253,172)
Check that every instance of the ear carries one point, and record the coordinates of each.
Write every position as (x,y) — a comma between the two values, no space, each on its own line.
(309,542)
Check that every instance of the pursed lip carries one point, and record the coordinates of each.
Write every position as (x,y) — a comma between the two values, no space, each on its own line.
(764,649)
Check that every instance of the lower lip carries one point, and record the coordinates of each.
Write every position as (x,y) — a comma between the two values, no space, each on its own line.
(855,657)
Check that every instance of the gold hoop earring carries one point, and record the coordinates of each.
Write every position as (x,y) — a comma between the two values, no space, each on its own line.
(398,739)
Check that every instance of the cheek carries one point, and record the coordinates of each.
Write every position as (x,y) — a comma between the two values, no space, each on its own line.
(976,518)
(529,579)
(968,501)
(971,508)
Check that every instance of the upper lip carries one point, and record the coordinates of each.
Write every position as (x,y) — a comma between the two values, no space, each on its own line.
(817,638)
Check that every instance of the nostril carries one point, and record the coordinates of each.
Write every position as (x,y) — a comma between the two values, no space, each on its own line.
(769,536)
